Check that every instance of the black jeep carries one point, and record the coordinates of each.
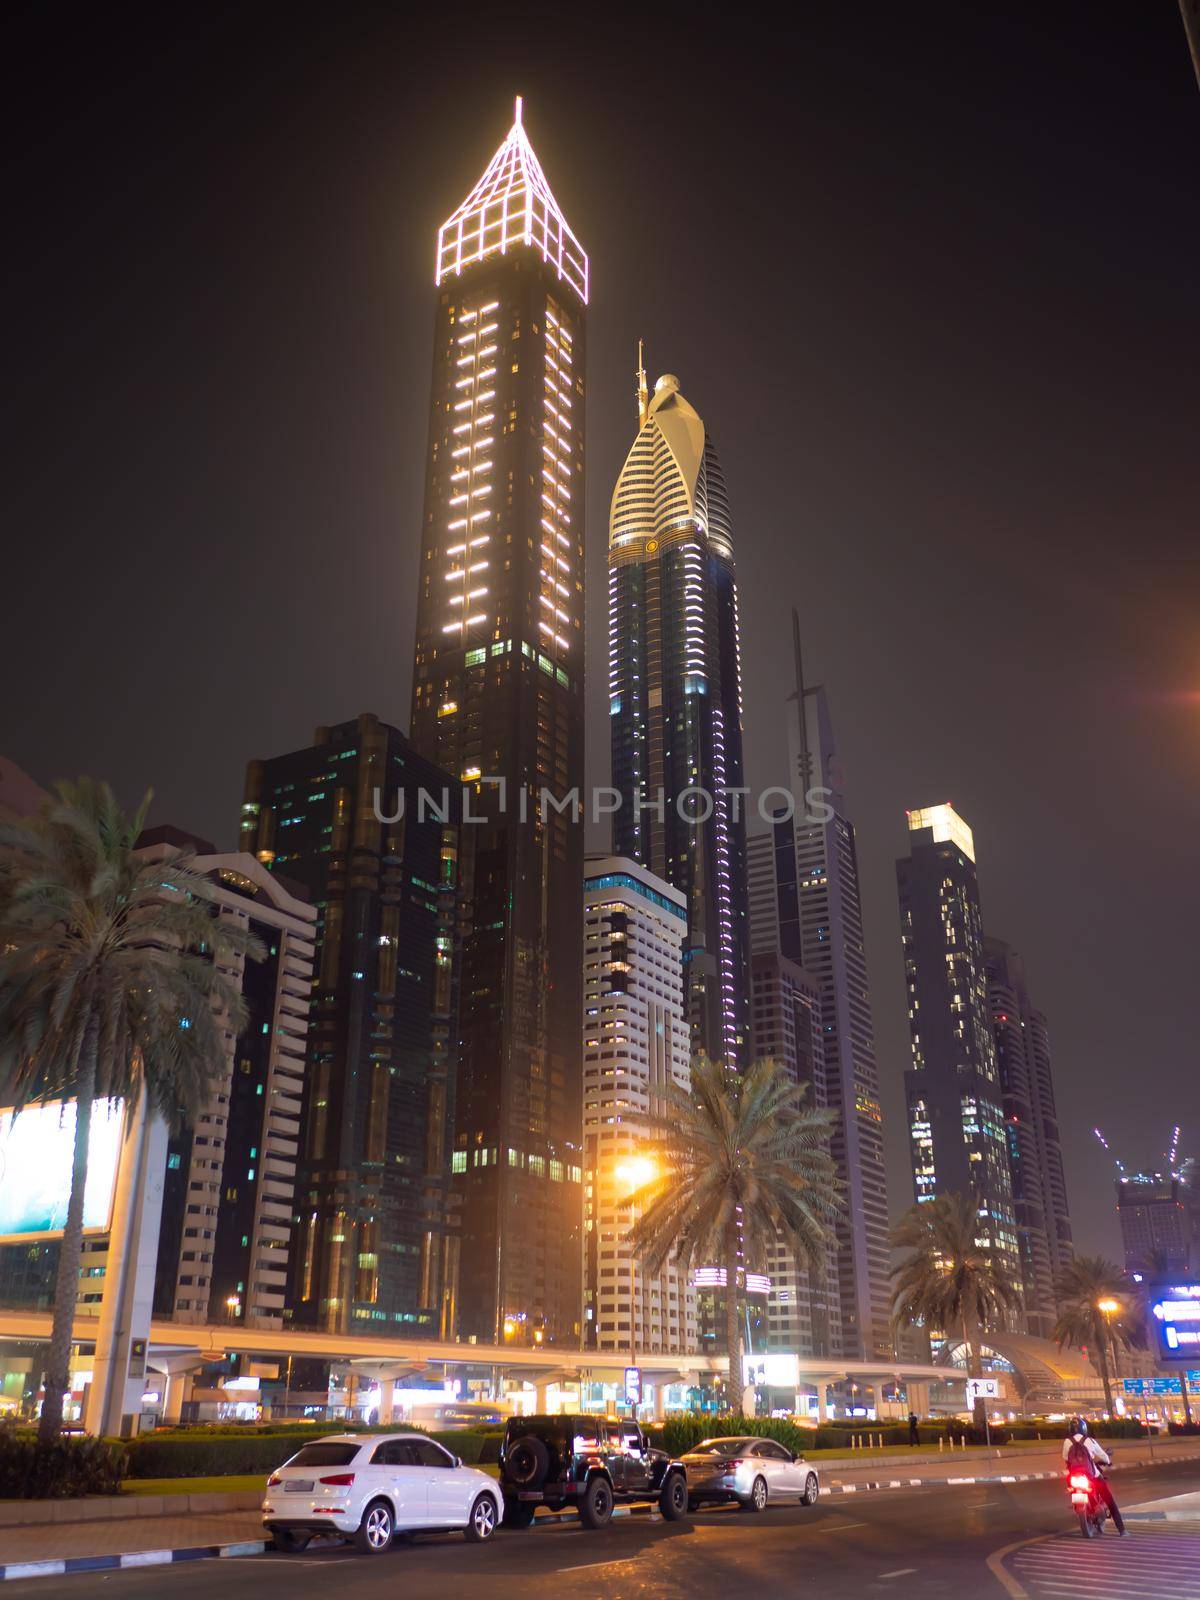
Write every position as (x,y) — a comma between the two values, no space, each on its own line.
(591,1463)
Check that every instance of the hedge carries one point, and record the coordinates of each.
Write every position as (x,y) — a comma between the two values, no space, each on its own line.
(218,1453)
(65,1468)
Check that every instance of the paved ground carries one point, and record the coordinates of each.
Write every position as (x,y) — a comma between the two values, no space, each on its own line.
(944,1543)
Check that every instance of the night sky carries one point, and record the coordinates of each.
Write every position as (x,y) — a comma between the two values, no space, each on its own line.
(929,274)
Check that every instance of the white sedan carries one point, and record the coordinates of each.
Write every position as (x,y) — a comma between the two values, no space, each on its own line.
(369,1487)
(751,1470)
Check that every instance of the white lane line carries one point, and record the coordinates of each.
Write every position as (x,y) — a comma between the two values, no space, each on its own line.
(838,1527)
(900,1572)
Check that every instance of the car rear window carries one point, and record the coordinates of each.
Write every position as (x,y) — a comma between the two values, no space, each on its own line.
(324,1455)
(719,1447)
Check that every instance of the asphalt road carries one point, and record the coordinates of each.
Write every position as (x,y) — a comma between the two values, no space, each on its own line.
(926,1542)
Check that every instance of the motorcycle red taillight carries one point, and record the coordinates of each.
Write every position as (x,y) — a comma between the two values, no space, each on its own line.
(1078,1481)
(339,1480)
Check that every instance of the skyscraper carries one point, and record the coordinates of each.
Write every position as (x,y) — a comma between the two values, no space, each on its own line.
(498,702)
(374,1247)
(635,1043)
(1159,1213)
(804,1308)
(675,701)
(955,1112)
(805,904)
(228,1198)
(1035,1160)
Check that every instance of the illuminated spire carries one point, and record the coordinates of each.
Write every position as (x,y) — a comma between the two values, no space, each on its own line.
(643,389)
(512,205)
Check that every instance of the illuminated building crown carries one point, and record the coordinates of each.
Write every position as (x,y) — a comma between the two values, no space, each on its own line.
(512,205)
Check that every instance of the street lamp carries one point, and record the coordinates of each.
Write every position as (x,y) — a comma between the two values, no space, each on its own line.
(634,1173)
(1110,1307)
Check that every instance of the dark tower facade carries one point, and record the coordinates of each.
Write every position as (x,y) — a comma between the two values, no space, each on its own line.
(675,702)
(805,904)
(1035,1159)
(374,1244)
(498,702)
(956,1126)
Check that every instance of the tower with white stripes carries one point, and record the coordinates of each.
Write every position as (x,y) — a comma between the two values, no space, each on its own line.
(675,701)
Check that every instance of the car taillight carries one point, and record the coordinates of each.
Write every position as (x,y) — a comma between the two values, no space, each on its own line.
(1078,1481)
(274,1480)
(737,1461)
(339,1480)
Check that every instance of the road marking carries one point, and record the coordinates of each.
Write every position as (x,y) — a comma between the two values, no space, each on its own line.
(996,1566)
(900,1572)
(592,1566)
(839,1527)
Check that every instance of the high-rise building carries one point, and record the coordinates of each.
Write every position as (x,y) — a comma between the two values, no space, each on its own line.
(1159,1214)
(229,1191)
(375,1245)
(675,701)
(956,1124)
(498,702)
(635,1043)
(805,904)
(1039,1187)
(804,1309)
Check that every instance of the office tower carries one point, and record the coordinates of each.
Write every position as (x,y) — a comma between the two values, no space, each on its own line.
(675,701)
(955,1112)
(374,1245)
(229,1193)
(804,1310)
(805,904)
(635,1042)
(498,702)
(1159,1214)
(1035,1161)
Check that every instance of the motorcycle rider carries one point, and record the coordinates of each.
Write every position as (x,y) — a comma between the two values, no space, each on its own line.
(1082,1453)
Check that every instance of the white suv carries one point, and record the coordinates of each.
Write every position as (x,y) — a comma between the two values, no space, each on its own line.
(369,1487)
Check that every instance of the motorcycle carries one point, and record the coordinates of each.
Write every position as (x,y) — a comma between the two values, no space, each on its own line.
(1090,1507)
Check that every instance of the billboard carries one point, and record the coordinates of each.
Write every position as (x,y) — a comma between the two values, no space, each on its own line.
(36,1149)
(1175,1308)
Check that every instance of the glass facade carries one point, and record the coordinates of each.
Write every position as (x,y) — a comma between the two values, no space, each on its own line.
(498,702)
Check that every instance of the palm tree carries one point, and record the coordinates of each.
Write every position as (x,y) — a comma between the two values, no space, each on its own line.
(110,987)
(949,1280)
(742,1161)
(1091,1293)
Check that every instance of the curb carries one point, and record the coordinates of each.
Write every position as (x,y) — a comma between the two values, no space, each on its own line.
(134,1558)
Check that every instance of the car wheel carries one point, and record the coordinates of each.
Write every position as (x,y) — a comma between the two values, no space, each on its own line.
(375,1530)
(596,1507)
(757,1500)
(483,1519)
(290,1542)
(517,1514)
(527,1461)
(811,1490)
(673,1498)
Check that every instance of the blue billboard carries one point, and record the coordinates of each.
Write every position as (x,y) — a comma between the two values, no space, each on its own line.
(1175,1315)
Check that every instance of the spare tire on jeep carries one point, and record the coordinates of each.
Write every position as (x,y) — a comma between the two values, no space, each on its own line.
(527,1461)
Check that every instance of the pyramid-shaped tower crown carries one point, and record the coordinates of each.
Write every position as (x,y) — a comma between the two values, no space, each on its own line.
(512,205)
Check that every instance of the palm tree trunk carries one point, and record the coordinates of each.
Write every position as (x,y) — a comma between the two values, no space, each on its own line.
(66,1284)
(1102,1352)
(974,1369)
(733,1325)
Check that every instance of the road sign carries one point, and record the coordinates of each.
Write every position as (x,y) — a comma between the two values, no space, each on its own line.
(983,1389)
(1147,1386)
(633,1386)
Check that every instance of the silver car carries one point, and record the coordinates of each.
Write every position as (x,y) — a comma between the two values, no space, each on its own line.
(750,1470)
